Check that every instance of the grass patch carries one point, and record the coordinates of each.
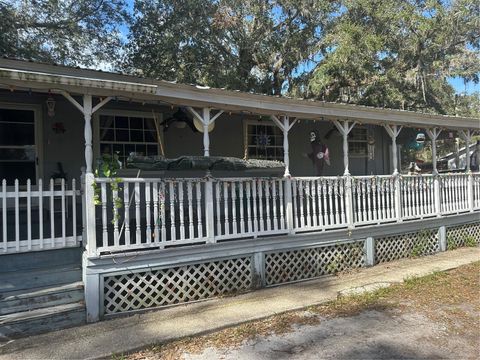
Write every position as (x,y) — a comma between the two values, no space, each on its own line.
(441,296)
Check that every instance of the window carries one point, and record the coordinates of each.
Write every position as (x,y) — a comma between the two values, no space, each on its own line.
(128,134)
(17,145)
(263,141)
(357,142)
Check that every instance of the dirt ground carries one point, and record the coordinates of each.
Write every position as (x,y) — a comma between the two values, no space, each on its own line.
(432,317)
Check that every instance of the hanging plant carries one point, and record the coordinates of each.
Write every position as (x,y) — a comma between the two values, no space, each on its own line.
(108,167)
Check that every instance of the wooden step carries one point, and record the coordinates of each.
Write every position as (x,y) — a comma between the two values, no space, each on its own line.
(41,320)
(38,278)
(31,299)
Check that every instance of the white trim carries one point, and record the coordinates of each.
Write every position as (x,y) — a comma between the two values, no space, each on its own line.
(38,126)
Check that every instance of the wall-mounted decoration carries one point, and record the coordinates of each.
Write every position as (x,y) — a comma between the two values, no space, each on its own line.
(420,139)
(371,147)
(58,128)
(51,106)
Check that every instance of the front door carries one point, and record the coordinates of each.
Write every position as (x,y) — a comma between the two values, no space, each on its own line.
(18,145)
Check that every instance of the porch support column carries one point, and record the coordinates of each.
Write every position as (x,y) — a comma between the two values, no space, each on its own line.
(285,126)
(467,136)
(433,135)
(91,282)
(87,114)
(206,121)
(344,127)
(394,131)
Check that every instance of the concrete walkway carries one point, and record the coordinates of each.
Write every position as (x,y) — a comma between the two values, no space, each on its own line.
(137,331)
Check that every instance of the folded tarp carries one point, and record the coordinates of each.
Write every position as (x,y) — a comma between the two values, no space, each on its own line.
(218,163)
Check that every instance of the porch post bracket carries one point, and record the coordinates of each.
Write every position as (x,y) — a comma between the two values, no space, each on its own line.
(344,128)
(394,131)
(285,126)
(87,110)
(433,134)
(466,135)
(206,120)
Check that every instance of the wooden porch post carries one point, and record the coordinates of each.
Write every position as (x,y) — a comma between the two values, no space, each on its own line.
(394,131)
(285,126)
(206,119)
(344,128)
(467,136)
(433,135)
(206,136)
(91,282)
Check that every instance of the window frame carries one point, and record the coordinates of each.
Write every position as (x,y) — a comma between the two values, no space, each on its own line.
(125,113)
(358,141)
(246,145)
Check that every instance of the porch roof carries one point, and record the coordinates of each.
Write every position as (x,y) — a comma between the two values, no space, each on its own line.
(44,77)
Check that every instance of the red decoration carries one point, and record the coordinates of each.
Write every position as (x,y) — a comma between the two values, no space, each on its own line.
(58,128)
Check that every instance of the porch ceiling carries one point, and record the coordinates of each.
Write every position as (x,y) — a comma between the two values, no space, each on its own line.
(44,77)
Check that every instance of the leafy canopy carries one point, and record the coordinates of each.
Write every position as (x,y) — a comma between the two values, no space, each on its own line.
(392,53)
(70,32)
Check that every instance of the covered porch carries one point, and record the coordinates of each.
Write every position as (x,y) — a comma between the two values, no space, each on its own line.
(147,217)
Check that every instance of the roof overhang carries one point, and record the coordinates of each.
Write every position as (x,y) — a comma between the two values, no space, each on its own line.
(46,77)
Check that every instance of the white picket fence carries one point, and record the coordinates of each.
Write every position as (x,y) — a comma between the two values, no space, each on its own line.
(38,217)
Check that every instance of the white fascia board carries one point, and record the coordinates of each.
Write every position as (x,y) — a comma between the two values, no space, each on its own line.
(181,94)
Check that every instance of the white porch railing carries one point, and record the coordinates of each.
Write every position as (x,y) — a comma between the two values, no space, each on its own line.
(455,189)
(248,207)
(476,191)
(141,213)
(318,203)
(418,196)
(145,213)
(373,199)
(38,217)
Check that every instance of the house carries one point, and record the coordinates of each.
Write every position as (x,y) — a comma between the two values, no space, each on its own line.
(158,238)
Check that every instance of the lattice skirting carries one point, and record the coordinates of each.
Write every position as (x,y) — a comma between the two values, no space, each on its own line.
(400,246)
(463,235)
(161,287)
(302,264)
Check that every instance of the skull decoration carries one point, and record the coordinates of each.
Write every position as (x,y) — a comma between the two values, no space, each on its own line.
(320,154)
